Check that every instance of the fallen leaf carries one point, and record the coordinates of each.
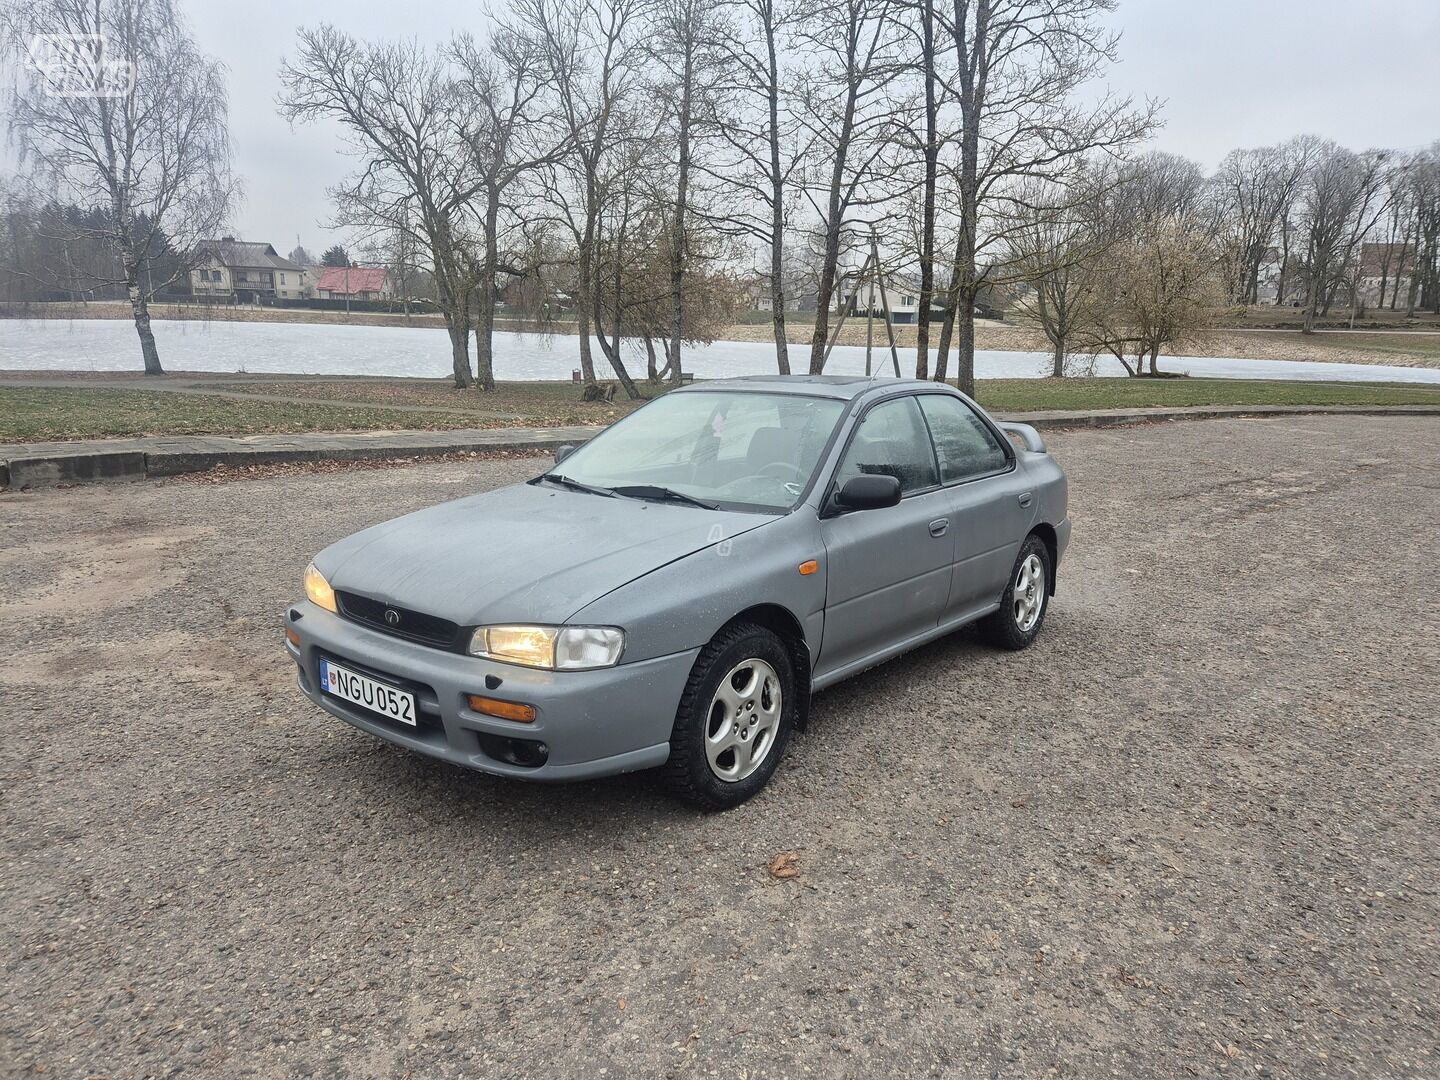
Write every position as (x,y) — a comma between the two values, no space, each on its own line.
(784,865)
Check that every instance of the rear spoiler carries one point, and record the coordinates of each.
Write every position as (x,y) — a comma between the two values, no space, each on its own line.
(1026,434)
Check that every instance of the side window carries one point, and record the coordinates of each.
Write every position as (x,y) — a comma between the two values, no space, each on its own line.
(891,441)
(964,445)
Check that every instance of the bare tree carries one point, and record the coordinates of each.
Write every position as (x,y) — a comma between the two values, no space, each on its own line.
(1255,190)
(1056,251)
(1162,282)
(398,104)
(850,113)
(1420,185)
(594,61)
(1342,198)
(504,122)
(688,44)
(758,145)
(921,136)
(1018,65)
(123,112)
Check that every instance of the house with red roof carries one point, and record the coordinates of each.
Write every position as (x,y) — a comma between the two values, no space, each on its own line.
(354,282)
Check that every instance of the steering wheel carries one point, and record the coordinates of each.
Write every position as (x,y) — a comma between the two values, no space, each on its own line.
(796,475)
(775,474)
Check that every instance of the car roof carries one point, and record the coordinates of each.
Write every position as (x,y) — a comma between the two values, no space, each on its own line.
(843,387)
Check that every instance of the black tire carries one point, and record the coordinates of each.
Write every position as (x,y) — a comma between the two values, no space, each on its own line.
(688,774)
(1002,628)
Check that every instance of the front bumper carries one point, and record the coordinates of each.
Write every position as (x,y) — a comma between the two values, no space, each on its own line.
(592,723)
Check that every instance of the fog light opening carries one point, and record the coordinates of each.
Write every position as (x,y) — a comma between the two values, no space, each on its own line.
(526,753)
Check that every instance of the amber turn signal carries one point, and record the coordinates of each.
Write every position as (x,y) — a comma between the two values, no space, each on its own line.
(293,636)
(808,568)
(506,710)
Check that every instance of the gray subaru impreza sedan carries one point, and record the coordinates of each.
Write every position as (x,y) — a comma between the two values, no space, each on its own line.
(671,593)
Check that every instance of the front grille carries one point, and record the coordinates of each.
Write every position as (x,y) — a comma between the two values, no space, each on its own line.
(407,624)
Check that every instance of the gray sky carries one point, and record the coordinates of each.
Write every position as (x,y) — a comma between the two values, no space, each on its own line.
(1230,73)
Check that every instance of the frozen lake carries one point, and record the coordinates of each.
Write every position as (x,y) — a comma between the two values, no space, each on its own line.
(322,349)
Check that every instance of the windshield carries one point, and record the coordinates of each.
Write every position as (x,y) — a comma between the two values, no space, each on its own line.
(741,449)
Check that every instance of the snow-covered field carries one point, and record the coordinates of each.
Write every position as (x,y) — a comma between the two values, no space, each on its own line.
(321,349)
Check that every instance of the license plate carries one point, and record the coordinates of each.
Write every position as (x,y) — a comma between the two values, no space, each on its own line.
(361,690)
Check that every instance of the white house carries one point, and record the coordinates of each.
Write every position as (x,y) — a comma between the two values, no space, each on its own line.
(229,267)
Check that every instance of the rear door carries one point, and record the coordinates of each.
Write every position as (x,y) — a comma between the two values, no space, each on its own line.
(991,507)
(888,571)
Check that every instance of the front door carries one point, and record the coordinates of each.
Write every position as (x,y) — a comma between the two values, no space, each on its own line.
(887,570)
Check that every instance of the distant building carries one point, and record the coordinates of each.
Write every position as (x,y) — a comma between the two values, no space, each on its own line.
(1385,268)
(247,271)
(355,282)
(799,295)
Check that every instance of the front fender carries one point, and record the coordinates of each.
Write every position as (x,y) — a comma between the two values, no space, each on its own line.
(683,604)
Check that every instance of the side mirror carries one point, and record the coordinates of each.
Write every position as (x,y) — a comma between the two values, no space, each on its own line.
(562,452)
(868,493)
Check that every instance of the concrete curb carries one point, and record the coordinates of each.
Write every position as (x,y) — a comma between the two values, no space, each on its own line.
(39,465)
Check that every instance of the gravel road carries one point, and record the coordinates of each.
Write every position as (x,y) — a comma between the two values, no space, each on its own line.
(1192,832)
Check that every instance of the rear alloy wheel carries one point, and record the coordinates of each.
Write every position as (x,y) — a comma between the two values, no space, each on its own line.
(1022,608)
(734,718)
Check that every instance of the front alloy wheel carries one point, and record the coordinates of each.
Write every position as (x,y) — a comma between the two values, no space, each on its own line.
(734,718)
(744,720)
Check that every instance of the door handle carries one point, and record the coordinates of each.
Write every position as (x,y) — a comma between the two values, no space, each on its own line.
(1025,498)
(938,526)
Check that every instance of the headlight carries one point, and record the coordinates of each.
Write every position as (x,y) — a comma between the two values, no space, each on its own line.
(318,589)
(559,648)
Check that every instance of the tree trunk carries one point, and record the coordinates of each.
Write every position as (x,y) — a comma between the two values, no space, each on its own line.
(974,61)
(822,305)
(460,352)
(651,371)
(927,209)
(777,206)
(582,317)
(947,331)
(834,219)
(965,340)
(1059,360)
(141,310)
(485,315)
(679,239)
(612,354)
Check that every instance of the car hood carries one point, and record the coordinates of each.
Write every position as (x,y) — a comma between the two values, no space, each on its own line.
(525,553)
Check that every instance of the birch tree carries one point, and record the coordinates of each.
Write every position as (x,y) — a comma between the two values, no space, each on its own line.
(121,112)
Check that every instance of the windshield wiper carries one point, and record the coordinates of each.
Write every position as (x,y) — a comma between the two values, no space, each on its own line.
(575,485)
(662,494)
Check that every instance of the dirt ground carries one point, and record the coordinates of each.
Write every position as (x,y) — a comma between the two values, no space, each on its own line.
(1191,832)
